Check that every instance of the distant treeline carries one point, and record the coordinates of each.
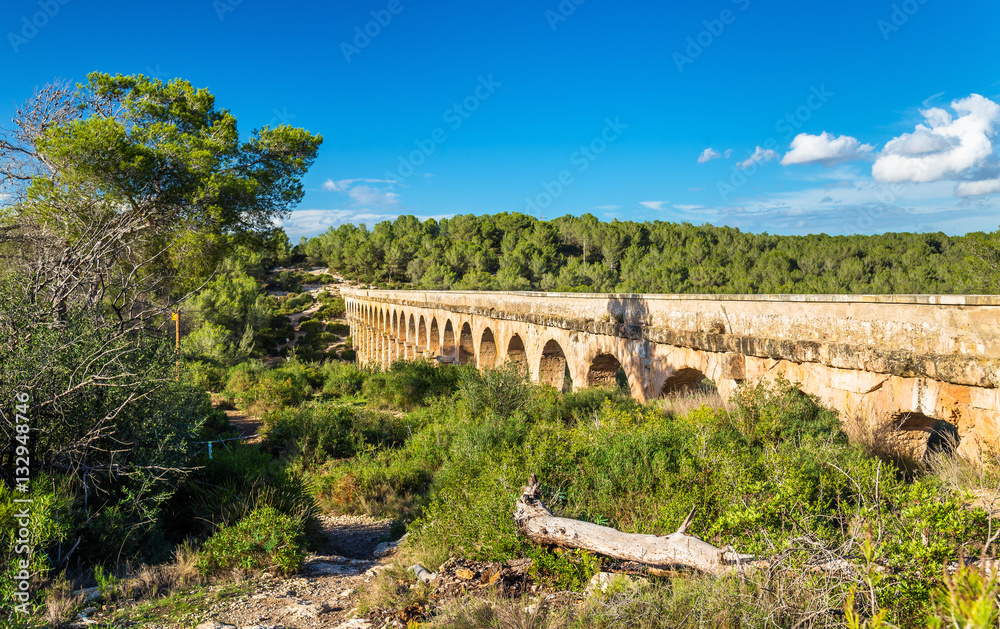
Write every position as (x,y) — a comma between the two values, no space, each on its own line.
(572,254)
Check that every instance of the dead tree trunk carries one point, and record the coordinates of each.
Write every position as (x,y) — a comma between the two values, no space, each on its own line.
(675,549)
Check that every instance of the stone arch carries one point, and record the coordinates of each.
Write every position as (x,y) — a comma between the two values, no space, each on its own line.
(516,352)
(920,436)
(487,350)
(422,341)
(434,340)
(411,332)
(606,370)
(466,346)
(448,343)
(552,366)
(686,380)
(393,326)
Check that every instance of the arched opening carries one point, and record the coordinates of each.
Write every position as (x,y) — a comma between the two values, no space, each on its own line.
(448,346)
(434,341)
(411,333)
(606,371)
(422,342)
(516,353)
(487,350)
(921,436)
(687,381)
(393,328)
(466,346)
(552,366)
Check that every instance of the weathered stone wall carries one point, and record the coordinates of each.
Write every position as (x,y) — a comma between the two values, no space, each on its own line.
(876,358)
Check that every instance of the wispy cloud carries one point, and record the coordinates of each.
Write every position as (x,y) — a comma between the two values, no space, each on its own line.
(362,193)
(653,205)
(759,155)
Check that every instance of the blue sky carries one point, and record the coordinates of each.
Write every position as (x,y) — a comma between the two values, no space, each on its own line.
(791,118)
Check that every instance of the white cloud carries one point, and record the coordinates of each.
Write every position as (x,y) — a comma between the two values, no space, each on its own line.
(759,155)
(361,192)
(367,195)
(688,208)
(344,184)
(653,205)
(825,149)
(945,148)
(708,155)
(977,188)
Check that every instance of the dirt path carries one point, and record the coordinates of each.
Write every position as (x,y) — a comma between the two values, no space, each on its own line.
(323,595)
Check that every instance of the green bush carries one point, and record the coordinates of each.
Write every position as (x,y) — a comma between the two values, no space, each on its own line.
(265,540)
(312,326)
(408,384)
(237,479)
(317,432)
(207,375)
(766,413)
(502,391)
(342,380)
(340,329)
(293,303)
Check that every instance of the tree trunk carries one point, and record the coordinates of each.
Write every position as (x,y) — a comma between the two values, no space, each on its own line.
(675,549)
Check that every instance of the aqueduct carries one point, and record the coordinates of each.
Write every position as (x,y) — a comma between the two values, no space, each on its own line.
(915,360)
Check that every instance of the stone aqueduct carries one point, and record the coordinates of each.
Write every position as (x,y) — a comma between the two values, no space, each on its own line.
(914,360)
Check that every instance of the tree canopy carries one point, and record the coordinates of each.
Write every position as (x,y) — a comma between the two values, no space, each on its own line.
(518,252)
(128,170)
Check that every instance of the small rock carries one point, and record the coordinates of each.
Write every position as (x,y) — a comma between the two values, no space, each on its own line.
(89,595)
(313,610)
(601,581)
(356,623)
(421,573)
(346,593)
(214,624)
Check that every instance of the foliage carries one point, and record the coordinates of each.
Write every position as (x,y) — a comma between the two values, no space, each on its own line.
(408,384)
(225,488)
(502,391)
(511,251)
(161,159)
(265,540)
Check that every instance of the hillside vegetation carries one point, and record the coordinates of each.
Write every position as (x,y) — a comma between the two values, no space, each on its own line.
(573,254)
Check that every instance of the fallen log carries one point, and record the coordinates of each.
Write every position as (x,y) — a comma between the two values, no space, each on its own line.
(675,549)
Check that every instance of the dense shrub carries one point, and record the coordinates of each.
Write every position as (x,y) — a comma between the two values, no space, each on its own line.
(257,390)
(408,384)
(265,540)
(502,391)
(294,303)
(317,432)
(340,379)
(237,479)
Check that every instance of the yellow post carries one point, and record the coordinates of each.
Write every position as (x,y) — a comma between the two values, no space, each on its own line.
(177,341)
